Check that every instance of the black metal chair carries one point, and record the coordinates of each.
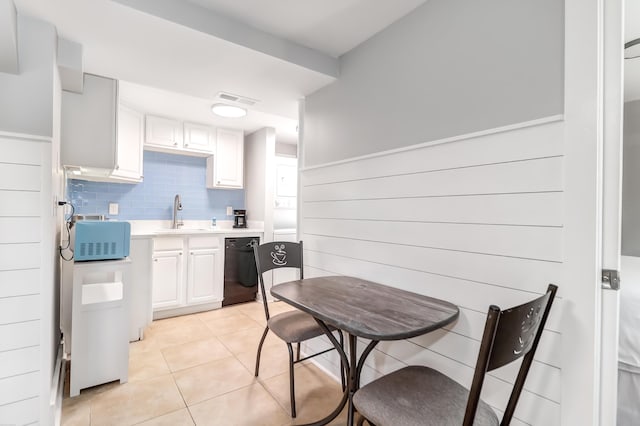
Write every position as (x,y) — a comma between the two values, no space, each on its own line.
(293,326)
(417,395)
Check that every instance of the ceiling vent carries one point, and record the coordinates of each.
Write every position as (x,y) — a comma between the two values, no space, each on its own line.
(230,97)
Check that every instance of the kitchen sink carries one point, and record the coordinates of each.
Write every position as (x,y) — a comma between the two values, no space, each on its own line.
(182,231)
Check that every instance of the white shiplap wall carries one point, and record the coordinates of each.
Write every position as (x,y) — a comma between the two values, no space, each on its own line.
(25,274)
(475,220)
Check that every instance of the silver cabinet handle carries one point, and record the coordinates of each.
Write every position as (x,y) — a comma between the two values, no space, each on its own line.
(155,260)
(180,253)
(175,144)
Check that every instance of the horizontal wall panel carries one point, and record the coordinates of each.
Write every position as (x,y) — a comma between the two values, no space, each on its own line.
(513,241)
(19,283)
(19,361)
(22,412)
(523,274)
(495,391)
(19,309)
(17,203)
(465,350)
(20,230)
(526,176)
(18,388)
(540,209)
(19,335)
(532,142)
(19,177)
(22,151)
(465,294)
(19,256)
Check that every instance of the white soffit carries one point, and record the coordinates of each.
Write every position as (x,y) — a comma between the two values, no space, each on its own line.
(330,26)
(201,19)
(123,43)
(8,37)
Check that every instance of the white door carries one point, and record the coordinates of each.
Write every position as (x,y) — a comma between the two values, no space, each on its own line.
(129,143)
(167,279)
(198,137)
(613,51)
(163,132)
(203,284)
(229,158)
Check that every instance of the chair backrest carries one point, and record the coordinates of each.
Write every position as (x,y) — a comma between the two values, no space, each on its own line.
(276,255)
(509,335)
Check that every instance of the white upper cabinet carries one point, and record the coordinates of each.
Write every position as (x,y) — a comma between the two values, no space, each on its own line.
(174,136)
(100,138)
(199,137)
(129,147)
(163,132)
(225,169)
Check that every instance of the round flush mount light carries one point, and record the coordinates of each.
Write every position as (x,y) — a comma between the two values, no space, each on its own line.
(228,111)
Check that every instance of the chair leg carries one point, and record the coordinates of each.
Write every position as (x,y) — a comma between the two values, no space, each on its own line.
(342,372)
(298,352)
(292,389)
(264,335)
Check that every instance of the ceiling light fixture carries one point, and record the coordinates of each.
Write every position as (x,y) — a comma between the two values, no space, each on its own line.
(228,111)
(632,49)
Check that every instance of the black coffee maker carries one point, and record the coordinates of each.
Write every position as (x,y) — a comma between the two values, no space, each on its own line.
(239,218)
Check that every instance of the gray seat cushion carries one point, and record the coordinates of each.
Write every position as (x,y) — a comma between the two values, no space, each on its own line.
(294,326)
(418,396)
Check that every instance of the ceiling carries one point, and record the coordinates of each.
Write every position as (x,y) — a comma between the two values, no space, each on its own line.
(174,56)
(275,51)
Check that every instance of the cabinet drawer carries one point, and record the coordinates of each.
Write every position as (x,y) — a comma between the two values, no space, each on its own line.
(168,243)
(204,242)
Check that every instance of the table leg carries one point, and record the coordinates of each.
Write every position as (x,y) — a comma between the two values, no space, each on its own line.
(352,369)
(352,383)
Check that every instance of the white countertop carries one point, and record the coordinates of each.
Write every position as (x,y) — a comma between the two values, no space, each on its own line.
(160,228)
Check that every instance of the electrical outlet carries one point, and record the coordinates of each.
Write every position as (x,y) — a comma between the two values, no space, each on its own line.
(229,210)
(113,209)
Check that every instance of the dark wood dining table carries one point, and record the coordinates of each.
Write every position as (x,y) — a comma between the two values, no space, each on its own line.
(364,309)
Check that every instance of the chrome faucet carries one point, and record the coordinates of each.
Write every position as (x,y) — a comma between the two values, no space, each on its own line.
(177,205)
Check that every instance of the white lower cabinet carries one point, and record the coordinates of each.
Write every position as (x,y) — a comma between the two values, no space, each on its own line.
(167,279)
(187,271)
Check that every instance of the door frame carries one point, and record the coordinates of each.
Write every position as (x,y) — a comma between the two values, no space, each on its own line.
(591,230)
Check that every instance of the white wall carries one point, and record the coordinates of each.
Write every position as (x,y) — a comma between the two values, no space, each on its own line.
(460,191)
(631,180)
(30,179)
(448,68)
(259,154)
(26,102)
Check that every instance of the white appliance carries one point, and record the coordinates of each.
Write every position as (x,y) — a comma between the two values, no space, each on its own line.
(100,317)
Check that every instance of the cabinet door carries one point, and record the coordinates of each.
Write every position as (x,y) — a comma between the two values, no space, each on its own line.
(199,137)
(163,132)
(204,282)
(229,171)
(129,146)
(168,289)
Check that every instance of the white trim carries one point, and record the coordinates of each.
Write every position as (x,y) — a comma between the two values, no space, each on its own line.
(583,78)
(492,131)
(35,138)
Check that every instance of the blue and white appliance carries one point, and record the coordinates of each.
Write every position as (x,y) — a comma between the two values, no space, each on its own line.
(101,240)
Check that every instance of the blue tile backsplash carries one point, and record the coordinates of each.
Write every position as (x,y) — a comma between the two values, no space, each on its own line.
(165,175)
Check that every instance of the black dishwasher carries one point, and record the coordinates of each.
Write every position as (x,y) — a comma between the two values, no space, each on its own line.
(240,275)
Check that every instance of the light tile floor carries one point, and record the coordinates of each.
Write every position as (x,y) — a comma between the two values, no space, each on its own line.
(198,369)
